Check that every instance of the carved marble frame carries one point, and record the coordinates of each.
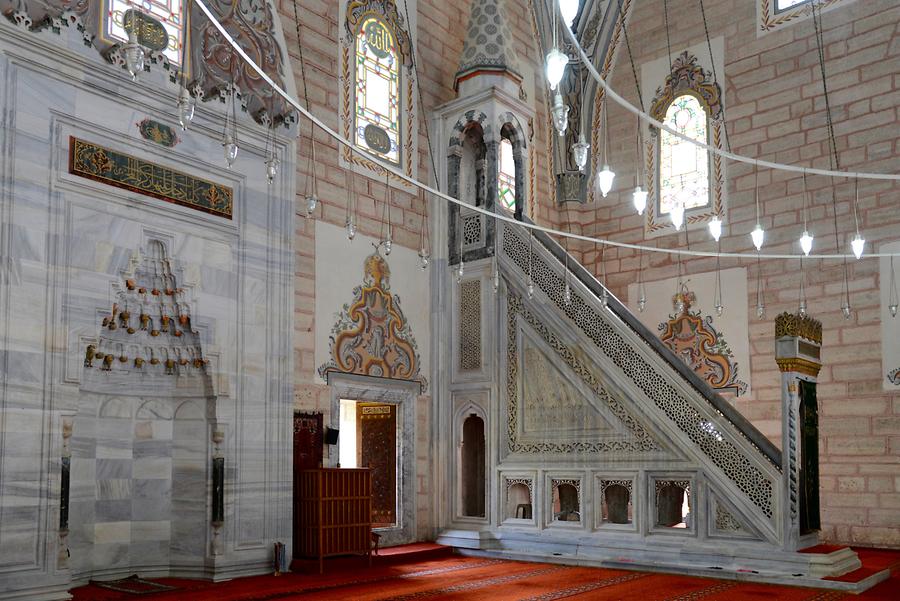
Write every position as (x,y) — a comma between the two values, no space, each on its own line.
(404,394)
(696,502)
(635,495)
(577,479)
(467,403)
(508,478)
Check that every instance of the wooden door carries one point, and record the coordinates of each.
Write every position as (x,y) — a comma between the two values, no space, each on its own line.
(809,458)
(376,426)
(307,455)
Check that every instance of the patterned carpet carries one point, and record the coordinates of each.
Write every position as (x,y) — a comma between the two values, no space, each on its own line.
(448,576)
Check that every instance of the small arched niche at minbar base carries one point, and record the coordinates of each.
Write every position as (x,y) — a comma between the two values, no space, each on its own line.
(616,502)
(566,501)
(472,466)
(518,499)
(673,504)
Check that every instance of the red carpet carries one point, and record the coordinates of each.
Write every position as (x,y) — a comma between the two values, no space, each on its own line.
(433,572)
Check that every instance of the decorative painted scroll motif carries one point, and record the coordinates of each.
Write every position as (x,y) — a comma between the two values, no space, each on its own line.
(124,171)
(894,377)
(695,340)
(640,440)
(158,133)
(687,76)
(253,25)
(372,336)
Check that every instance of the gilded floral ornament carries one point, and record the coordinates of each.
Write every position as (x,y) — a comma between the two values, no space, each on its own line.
(372,337)
(791,324)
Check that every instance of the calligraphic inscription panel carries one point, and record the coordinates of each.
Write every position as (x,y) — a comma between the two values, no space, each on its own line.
(137,175)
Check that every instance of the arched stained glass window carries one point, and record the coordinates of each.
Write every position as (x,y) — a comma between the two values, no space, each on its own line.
(684,167)
(170,13)
(377,118)
(506,186)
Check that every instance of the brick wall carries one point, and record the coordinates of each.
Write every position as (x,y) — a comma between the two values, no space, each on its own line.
(776,111)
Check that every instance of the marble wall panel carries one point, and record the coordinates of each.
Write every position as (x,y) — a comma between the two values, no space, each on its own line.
(139,472)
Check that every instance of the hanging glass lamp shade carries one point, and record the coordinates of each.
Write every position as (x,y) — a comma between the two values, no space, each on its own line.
(715,228)
(560,114)
(556,67)
(858,244)
(758,235)
(230,149)
(134,55)
(677,215)
(185,107)
(845,310)
(605,180)
(351,229)
(580,151)
(424,257)
(639,198)
(312,201)
(272,169)
(806,242)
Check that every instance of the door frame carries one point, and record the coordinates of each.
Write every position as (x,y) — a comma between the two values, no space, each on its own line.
(404,395)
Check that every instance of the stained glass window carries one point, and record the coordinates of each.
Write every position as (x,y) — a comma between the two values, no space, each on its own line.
(506,185)
(170,13)
(683,167)
(781,5)
(377,120)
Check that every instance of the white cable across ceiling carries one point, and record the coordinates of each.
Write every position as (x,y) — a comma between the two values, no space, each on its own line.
(499,216)
(708,147)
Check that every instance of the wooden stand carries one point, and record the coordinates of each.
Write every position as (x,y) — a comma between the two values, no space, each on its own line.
(334,513)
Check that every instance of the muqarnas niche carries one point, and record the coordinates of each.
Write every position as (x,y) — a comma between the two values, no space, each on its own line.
(148,332)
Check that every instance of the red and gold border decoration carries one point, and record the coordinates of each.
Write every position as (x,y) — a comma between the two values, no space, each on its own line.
(686,76)
(771,19)
(385,10)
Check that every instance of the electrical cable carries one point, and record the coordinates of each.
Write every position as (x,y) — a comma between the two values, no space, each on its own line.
(710,148)
(498,216)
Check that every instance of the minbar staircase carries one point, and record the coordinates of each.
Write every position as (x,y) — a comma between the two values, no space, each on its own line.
(624,411)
